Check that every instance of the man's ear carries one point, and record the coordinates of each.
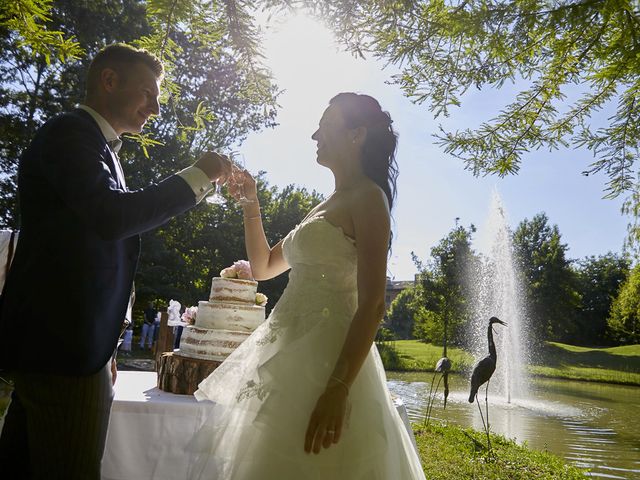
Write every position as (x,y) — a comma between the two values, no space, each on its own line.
(109,79)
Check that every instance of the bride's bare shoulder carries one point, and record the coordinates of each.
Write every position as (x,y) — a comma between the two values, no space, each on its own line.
(369,195)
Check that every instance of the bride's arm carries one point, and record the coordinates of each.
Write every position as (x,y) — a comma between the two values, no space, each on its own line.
(266,262)
(370,215)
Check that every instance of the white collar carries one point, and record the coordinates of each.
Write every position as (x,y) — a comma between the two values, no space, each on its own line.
(106,129)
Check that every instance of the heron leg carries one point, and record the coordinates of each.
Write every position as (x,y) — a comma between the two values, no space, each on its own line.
(486,406)
(429,401)
(484,425)
(433,399)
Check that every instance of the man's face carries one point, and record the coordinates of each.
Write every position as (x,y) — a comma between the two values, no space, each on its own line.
(133,99)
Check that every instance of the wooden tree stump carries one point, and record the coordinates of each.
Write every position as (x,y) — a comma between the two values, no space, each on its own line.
(178,374)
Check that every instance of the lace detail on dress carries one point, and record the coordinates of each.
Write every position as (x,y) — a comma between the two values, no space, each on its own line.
(252,389)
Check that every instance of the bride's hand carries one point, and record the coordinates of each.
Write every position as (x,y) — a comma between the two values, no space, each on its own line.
(242,186)
(327,419)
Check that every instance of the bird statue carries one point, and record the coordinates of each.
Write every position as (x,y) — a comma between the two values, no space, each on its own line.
(482,373)
(443,366)
(484,369)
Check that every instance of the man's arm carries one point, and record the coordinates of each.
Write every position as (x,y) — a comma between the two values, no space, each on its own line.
(74,160)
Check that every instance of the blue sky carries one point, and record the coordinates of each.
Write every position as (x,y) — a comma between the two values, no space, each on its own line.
(433,188)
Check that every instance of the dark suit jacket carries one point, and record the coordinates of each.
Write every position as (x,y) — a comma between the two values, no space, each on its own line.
(67,291)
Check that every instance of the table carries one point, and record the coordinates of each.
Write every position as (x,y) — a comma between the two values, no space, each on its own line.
(148,429)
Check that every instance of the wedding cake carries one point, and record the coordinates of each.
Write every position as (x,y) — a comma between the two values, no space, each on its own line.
(234,310)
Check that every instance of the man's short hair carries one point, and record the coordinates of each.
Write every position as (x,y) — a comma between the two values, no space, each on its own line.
(120,56)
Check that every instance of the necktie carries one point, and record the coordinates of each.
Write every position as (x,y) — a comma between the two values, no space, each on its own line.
(115,145)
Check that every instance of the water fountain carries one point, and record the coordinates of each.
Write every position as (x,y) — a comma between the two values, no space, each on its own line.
(497,292)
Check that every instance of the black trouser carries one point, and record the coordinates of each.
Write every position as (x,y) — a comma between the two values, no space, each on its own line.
(56,426)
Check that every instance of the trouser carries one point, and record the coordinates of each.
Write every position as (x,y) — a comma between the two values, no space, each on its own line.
(147,334)
(56,426)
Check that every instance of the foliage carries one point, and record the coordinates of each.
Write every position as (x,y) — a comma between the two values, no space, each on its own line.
(26,20)
(449,451)
(598,282)
(624,322)
(444,289)
(549,281)
(402,311)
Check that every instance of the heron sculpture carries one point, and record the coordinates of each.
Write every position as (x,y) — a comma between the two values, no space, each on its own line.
(482,373)
(443,366)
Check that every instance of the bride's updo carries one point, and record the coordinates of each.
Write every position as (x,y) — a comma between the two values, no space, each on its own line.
(379,148)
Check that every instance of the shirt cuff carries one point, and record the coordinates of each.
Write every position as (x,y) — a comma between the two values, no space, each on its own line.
(198,181)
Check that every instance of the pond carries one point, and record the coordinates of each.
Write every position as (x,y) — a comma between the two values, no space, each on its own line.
(592,425)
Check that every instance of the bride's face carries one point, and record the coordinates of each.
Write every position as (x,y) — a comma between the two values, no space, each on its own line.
(333,138)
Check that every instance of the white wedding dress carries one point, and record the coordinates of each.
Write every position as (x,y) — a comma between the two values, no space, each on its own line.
(265,391)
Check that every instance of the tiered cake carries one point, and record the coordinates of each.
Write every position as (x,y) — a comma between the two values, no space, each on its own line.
(215,329)
(225,321)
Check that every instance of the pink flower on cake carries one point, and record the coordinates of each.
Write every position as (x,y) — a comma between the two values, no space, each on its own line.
(261,299)
(229,272)
(243,270)
(189,315)
(240,269)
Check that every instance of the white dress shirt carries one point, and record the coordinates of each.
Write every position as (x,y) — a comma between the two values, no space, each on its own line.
(195,178)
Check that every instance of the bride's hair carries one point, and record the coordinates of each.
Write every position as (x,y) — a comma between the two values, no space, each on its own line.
(379,148)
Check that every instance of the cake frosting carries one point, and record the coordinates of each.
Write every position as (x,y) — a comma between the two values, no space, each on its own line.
(210,344)
(233,290)
(222,323)
(229,316)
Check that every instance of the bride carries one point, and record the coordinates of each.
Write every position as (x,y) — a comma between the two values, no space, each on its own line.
(305,396)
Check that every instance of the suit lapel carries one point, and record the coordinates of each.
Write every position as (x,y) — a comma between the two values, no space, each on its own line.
(108,155)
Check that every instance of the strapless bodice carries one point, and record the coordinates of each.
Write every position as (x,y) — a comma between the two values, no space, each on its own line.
(321,253)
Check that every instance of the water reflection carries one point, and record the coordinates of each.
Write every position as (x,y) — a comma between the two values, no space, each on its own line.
(594,426)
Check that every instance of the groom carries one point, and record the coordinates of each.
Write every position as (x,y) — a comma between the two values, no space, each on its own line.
(67,293)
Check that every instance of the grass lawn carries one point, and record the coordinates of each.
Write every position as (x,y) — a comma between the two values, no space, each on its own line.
(612,365)
(416,356)
(451,452)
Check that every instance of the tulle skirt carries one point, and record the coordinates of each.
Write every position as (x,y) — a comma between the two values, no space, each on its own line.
(263,395)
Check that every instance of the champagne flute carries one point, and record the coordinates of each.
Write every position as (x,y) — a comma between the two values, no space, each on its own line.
(237,176)
(216,198)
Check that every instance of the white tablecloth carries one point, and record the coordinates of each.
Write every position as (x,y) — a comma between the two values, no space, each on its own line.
(148,430)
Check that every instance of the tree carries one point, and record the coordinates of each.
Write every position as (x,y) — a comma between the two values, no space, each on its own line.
(444,288)
(549,281)
(402,311)
(624,322)
(599,280)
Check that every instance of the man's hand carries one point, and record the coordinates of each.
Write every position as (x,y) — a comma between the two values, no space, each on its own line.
(215,166)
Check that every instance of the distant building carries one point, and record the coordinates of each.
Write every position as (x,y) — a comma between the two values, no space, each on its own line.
(394,287)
